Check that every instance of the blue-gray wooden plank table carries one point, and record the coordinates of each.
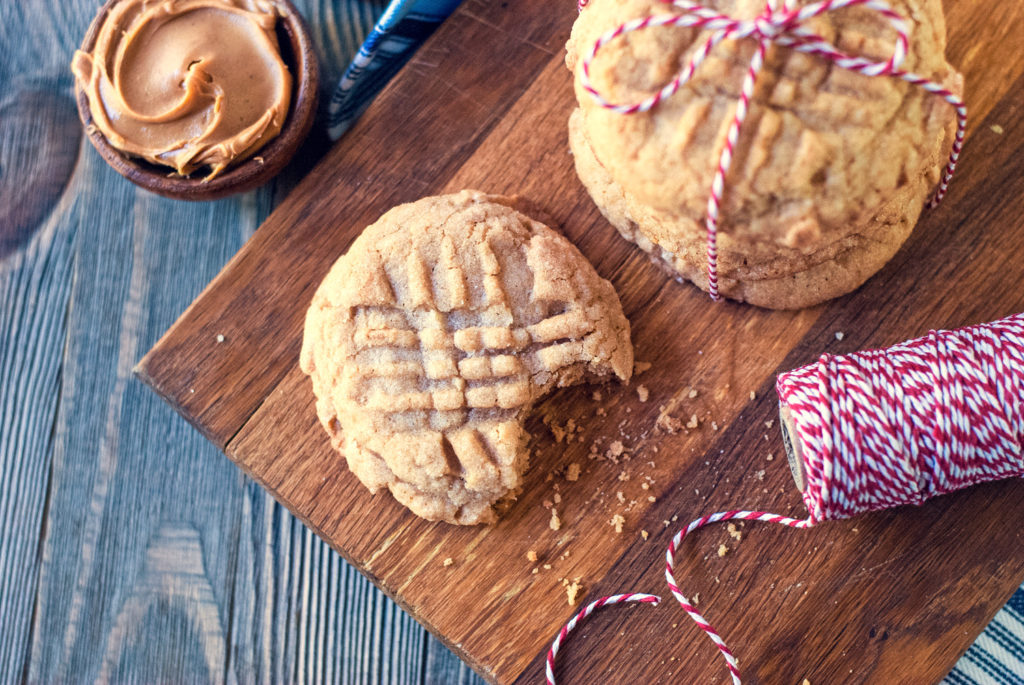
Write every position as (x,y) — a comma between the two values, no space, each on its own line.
(130,548)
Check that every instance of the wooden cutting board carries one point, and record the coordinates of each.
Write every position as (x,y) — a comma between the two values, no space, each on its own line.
(890,597)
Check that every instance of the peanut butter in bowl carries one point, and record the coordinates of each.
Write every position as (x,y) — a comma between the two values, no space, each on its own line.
(187,84)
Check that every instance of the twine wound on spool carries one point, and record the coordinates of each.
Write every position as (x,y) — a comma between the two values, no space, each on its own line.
(883,428)
(781,24)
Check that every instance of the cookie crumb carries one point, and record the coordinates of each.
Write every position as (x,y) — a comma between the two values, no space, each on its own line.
(997,129)
(220,337)
(642,392)
(769,423)
(547,567)
(644,534)
(840,335)
(666,422)
(448,562)
(640,367)
(645,486)
(714,425)
(535,571)
(623,476)
(652,498)
(616,448)
(573,592)
(722,550)
(693,422)
(753,395)
(770,456)
(620,497)
(555,523)
(618,521)
(596,396)
(531,555)
(696,598)
(806,682)
(734,532)
(572,473)
(557,431)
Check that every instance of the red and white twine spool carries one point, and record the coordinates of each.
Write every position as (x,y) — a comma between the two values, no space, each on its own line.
(782,24)
(884,428)
(899,426)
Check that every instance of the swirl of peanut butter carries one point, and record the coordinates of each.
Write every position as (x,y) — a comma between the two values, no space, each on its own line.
(187,83)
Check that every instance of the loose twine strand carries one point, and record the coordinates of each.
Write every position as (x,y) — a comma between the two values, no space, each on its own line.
(549,665)
(884,428)
(778,23)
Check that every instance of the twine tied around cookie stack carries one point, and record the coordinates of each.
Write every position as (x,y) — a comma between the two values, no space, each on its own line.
(884,428)
(782,24)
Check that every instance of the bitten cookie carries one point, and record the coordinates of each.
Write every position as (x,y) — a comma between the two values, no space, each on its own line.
(832,168)
(431,338)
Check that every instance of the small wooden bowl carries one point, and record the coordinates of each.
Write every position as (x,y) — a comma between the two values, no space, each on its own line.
(297,53)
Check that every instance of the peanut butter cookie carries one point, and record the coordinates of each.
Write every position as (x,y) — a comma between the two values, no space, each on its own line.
(431,338)
(832,167)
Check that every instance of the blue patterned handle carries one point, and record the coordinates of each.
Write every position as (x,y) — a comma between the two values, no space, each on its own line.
(402,28)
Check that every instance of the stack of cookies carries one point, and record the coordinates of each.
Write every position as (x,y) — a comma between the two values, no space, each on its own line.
(831,171)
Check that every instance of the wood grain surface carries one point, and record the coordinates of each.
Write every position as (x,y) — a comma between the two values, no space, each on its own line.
(130,549)
(891,597)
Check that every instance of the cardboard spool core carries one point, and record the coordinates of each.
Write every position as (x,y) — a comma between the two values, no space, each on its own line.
(794,450)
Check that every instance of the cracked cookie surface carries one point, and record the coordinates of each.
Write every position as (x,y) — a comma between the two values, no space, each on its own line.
(431,338)
(832,167)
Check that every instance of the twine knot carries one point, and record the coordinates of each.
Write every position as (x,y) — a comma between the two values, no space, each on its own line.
(771,24)
(782,25)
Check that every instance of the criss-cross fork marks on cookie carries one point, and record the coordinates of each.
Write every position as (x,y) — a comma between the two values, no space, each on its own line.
(430,366)
(431,339)
(443,374)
